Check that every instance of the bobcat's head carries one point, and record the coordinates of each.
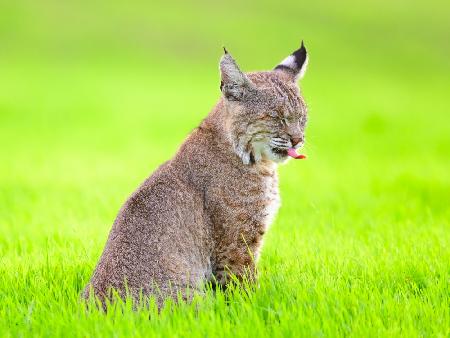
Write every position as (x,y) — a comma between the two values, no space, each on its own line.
(266,114)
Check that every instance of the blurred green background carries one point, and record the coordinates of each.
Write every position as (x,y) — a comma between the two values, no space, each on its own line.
(94,95)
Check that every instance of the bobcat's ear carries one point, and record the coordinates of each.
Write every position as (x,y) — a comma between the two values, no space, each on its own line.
(234,83)
(295,64)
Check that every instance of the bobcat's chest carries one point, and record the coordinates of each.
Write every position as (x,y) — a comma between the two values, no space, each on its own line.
(244,206)
(271,198)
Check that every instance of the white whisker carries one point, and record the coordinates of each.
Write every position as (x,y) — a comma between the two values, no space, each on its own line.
(278,142)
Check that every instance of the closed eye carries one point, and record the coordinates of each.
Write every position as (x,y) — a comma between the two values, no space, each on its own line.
(291,119)
(282,118)
(288,119)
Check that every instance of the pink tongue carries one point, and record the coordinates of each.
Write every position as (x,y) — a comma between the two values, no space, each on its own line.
(293,153)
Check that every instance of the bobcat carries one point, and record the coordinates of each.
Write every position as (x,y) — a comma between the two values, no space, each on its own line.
(202,215)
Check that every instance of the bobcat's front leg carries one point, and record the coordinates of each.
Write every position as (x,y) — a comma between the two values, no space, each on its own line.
(228,273)
(236,261)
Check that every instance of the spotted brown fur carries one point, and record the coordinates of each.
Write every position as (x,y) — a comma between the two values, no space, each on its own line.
(202,215)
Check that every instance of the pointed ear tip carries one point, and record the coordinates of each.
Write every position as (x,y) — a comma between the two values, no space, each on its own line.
(225,58)
(225,50)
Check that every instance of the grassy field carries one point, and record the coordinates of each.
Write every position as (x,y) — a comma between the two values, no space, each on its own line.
(95,95)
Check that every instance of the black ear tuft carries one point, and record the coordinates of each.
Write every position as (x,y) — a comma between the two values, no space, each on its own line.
(295,63)
(300,56)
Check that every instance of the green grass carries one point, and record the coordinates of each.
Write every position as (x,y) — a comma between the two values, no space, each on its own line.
(95,95)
